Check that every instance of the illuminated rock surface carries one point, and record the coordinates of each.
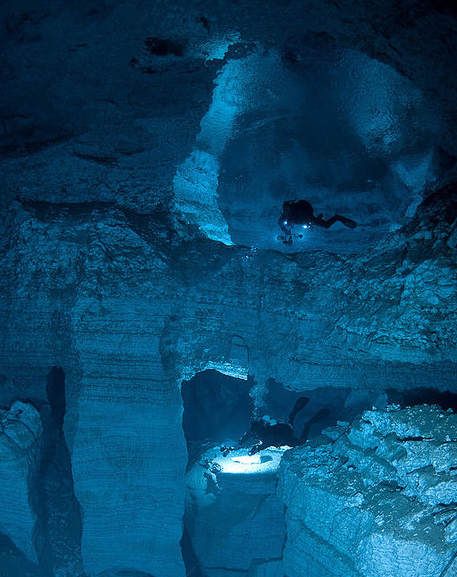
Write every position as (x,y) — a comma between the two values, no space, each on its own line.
(376,498)
(234,519)
(129,309)
(20,431)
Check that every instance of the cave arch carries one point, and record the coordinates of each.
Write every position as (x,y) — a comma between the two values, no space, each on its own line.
(217,407)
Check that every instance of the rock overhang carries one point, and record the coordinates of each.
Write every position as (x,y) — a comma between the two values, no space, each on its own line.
(124,130)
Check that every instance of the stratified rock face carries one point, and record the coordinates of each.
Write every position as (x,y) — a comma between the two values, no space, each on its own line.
(20,431)
(377,500)
(128,449)
(128,467)
(128,307)
(234,519)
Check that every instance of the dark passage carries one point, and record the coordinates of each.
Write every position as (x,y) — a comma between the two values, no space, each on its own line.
(217,410)
(55,392)
(423,395)
(58,530)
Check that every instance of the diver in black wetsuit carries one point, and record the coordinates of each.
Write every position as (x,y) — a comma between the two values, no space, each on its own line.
(301,212)
(300,404)
(267,435)
(264,434)
(319,416)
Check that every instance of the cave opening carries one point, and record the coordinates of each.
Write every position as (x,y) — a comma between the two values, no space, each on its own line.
(333,126)
(446,400)
(312,410)
(217,410)
(233,521)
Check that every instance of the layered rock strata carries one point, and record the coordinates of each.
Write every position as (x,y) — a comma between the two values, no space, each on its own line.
(130,305)
(375,499)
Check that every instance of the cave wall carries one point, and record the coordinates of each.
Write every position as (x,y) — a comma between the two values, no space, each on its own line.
(103,275)
(142,314)
(96,93)
(374,497)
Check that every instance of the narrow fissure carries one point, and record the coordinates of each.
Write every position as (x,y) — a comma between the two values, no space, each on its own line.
(58,529)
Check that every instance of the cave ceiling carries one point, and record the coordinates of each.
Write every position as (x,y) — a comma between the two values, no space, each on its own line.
(218,111)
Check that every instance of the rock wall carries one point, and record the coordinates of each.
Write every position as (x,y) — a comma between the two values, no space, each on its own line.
(101,104)
(375,498)
(130,305)
(128,448)
(20,432)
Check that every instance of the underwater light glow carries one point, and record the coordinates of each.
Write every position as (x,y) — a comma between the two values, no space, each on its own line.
(247,459)
(241,463)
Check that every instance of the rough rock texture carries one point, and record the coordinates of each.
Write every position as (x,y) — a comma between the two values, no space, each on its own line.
(123,418)
(378,499)
(404,291)
(234,519)
(137,82)
(128,307)
(303,319)
(103,102)
(104,106)
(97,113)
(20,432)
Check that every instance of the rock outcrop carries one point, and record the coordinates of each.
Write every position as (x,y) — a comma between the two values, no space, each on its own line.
(234,519)
(375,499)
(20,432)
(115,121)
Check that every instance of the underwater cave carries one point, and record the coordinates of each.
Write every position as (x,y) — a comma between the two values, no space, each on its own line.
(228,289)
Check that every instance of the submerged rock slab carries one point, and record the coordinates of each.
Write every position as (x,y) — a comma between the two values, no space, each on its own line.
(376,498)
(234,519)
(20,431)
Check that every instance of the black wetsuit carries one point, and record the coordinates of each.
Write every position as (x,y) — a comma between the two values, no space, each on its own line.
(301,212)
(268,436)
(300,404)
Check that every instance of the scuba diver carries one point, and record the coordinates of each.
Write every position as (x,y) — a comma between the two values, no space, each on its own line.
(300,404)
(301,212)
(264,434)
(317,418)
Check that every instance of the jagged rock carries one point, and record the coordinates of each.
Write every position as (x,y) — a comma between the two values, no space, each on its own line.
(366,505)
(129,309)
(20,431)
